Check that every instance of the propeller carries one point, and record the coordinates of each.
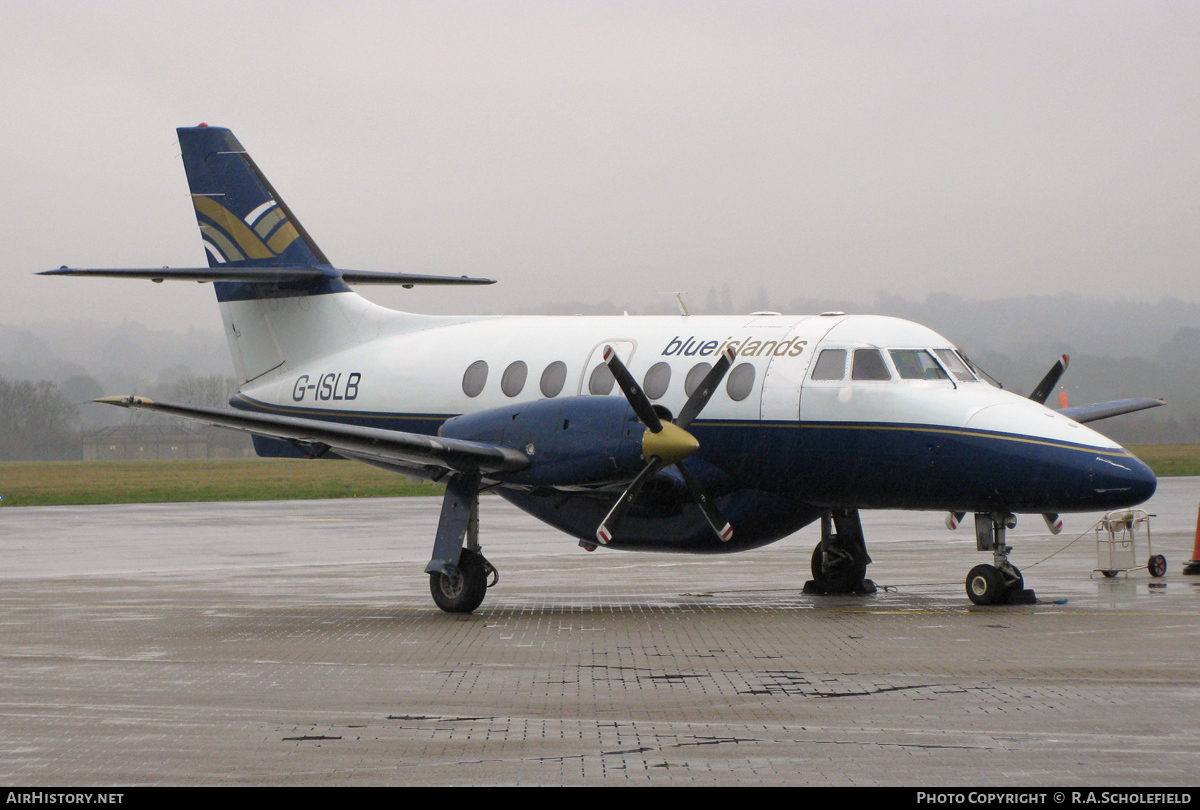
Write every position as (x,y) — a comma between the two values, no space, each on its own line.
(1042,392)
(666,443)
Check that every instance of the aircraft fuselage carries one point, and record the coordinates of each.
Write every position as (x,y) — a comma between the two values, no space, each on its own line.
(779,443)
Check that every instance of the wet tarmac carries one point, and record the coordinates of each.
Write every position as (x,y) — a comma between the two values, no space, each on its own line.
(296,643)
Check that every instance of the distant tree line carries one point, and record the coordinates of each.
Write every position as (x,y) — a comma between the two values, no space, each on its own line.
(37,423)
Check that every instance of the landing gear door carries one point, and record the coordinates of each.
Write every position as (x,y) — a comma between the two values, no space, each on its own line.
(787,366)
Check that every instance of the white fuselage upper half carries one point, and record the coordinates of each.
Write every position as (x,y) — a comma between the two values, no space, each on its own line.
(346,355)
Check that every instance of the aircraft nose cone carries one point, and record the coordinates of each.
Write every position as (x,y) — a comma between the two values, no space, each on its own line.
(1142,481)
(1125,480)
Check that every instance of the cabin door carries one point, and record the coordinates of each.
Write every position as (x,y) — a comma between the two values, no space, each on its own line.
(788,364)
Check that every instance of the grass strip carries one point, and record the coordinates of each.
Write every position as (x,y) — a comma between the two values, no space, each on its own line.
(1169,459)
(94,482)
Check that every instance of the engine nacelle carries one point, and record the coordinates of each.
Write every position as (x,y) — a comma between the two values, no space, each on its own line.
(573,441)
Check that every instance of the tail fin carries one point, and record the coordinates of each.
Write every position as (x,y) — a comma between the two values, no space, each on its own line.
(241,217)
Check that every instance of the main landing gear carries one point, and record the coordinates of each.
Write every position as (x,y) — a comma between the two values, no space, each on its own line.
(839,562)
(1000,583)
(463,590)
(459,575)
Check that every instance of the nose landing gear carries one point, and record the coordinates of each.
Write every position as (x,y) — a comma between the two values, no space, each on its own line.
(1000,583)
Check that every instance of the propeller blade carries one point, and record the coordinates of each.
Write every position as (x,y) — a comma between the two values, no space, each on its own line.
(605,532)
(1042,392)
(636,396)
(670,445)
(705,390)
(720,525)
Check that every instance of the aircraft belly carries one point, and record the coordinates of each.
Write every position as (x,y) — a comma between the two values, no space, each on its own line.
(759,517)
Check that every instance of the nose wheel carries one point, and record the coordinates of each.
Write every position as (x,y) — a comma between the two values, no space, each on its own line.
(989,585)
(1000,583)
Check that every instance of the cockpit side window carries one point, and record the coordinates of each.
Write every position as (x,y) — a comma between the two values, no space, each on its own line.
(957,367)
(831,365)
(916,364)
(869,365)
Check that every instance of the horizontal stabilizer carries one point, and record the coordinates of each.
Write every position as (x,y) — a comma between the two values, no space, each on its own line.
(1105,410)
(273,274)
(396,447)
(406,279)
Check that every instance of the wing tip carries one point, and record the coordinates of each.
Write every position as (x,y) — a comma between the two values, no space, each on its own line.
(125,401)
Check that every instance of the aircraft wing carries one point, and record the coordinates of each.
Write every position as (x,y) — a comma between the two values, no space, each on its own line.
(393,446)
(1104,410)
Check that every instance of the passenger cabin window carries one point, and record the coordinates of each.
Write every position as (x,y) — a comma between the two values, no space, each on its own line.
(656,381)
(869,365)
(475,378)
(957,367)
(553,379)
(695,377)
(831,365)
(741,382)
(513,379)
(601,381)
(916,364)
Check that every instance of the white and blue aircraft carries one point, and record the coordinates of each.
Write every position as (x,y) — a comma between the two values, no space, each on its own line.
(666,433)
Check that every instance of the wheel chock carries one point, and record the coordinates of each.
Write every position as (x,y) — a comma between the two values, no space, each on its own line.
(1021,596)
(864,588)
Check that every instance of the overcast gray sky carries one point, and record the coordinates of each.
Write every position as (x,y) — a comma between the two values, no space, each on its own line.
(614,151)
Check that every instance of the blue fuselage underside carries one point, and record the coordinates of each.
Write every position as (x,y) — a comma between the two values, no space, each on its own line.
(771,479)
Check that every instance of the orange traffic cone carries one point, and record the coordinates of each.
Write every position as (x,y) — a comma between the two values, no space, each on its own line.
(1192,566)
